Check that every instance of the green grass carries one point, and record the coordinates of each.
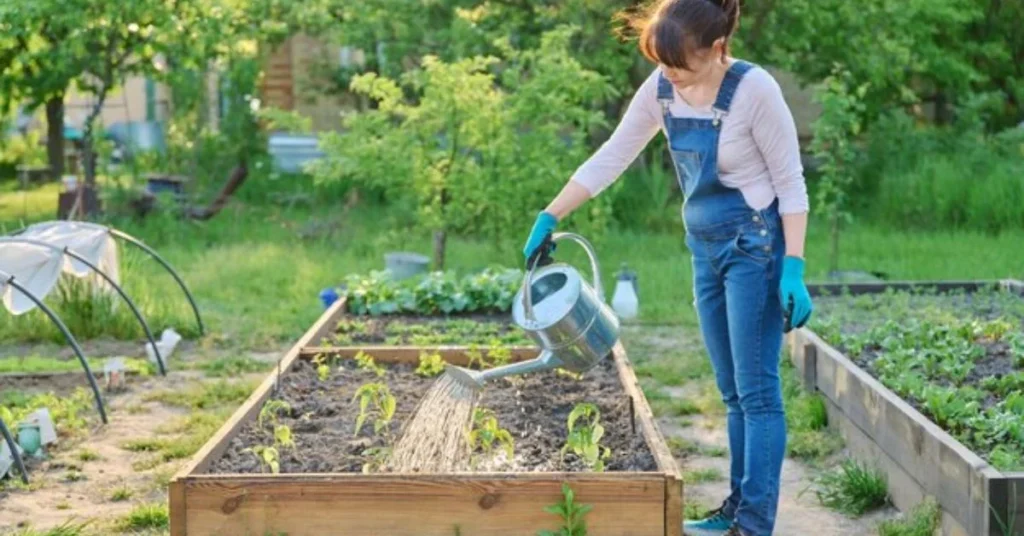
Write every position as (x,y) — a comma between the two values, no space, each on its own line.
(695,510)
(145,516)
(122,493)
(68,528)
(187,436)
(87,455)
(31,364)
(808,439)
(852,488)
(233,366)
(697,476)
(923,520)
(257,280)
(665,405)
(204,396)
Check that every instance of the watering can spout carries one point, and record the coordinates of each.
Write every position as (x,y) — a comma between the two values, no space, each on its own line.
(475,379)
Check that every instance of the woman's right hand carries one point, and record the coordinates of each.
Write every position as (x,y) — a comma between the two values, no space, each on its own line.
(544,224)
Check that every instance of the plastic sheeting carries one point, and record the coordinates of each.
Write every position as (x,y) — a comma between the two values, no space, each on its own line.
(38,268)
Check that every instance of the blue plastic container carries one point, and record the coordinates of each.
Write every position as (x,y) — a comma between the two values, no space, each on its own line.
(328,296)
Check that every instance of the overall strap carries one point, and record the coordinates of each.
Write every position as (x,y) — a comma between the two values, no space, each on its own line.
(665,95)
(728,89)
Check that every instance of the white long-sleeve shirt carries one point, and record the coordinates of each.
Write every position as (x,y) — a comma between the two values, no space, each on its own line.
(758,149)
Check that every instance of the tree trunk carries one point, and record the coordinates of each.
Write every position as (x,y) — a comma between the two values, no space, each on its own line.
(89,159)
(440,240)
(55,135)
(834,249)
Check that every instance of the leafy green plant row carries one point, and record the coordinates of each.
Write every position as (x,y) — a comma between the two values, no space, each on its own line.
(931,356)
(376,293)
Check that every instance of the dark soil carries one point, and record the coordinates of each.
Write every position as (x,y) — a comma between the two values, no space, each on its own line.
(533,408)
(430,330)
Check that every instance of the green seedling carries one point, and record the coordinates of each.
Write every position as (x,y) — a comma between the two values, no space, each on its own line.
(585,433)
(366,363)
(571,513)
(271,410)
(283,436)
(485,434)
(431,364)
(323,367)
(267,456)
(377,403)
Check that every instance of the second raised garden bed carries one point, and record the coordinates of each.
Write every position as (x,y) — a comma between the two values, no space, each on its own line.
(320,486)
(926,379)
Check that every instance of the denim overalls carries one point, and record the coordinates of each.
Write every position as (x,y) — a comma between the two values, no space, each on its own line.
(737,256)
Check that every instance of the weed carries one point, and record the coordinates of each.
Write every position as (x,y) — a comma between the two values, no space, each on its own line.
(485,433)
(699,476)
(381,411)
(810,445)
(853,488)
(682,447)
(571,513)
(122,493)
(584,438)
(695,510)
(145,516)
(88,455)
(714,451)
(63,505)
(923,520)
(431,364)
(666,405)
(74,476)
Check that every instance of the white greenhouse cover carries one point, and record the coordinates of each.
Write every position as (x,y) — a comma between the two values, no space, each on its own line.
(38,268)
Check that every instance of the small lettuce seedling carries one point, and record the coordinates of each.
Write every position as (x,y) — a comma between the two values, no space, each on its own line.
(381,411)
(431,364)
(485,434)
(585,433)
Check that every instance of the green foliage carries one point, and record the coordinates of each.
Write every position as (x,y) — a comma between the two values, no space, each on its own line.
(571,513)
(376,293)
(68,528)
(834,134)
(485,433)
(922,520)
(949,50)
(431,364)
(852,488)
(584,436)
(377,403)
(205,396)
(698,476)
(68,412)
(468,156)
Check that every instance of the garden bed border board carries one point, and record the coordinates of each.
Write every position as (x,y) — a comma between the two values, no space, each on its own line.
(919,458)
(624,503)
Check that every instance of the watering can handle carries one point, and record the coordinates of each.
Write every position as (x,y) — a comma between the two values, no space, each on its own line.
(528,280)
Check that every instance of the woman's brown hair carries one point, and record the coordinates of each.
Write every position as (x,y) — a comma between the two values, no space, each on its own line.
(670,30)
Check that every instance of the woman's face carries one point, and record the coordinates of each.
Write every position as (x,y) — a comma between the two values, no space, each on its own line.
(702,64)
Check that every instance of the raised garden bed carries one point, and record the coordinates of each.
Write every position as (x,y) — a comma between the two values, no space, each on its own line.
(321,488)
(926,379)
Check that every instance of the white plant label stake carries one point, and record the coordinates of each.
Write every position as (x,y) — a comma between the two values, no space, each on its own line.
(47,432)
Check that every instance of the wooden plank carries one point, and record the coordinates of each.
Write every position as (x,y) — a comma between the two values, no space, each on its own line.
(248,410)
(674,500)
(642,411)
(939,464)
(456,355)
(421,505)
(176,507)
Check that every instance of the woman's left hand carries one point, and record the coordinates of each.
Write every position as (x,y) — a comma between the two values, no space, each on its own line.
(793,293)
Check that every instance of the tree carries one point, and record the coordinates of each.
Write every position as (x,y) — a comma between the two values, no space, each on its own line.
(471,155)
(33,69)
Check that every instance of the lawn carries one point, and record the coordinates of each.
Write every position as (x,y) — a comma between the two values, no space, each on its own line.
(258,267)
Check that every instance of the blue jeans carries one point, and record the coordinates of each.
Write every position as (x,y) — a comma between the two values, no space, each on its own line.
(736,272)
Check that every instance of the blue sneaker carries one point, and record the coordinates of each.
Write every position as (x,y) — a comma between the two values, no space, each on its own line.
(715,523)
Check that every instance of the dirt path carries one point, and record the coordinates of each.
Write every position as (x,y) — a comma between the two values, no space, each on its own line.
(706,462)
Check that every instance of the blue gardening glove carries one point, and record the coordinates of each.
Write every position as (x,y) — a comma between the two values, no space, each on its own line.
(792,289)
(544,224)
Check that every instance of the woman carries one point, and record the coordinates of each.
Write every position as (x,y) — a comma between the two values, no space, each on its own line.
(734,144)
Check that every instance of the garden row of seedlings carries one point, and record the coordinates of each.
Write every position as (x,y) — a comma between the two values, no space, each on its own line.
(927,379)
(337,408)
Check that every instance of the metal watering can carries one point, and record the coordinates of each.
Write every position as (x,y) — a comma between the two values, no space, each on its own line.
(567,318)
